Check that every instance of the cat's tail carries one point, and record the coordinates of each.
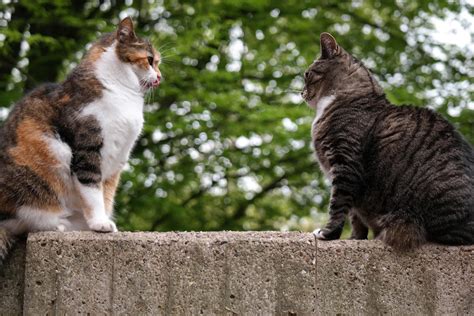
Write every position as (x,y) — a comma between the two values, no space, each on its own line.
(6,242)
(403,235)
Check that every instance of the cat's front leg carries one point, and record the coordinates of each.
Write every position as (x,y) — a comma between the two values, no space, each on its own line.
(86,167)
(347,181)
(94,208)
(110,187)
(338,208)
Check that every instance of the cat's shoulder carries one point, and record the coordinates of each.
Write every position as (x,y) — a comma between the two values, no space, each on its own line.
(425,112)
(43,91)
(37,99)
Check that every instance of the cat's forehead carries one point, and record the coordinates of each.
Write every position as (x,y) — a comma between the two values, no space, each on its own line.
(332,63)
(148,46)
(319,63)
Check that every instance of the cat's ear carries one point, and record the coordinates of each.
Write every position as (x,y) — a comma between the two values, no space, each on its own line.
(329,46)
(125,31)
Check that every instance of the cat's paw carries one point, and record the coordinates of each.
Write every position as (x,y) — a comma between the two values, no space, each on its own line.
(319,234)
(327,234)
(103,225)
(63,225)
(358,237)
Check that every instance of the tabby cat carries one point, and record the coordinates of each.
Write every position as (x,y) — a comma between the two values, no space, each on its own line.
(63,146)
(402,171)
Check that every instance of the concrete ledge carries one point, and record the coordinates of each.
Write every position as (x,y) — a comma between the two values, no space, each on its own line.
(369,278)
(12,280)
(229,273)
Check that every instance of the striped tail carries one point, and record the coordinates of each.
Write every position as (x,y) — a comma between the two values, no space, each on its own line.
(6,242)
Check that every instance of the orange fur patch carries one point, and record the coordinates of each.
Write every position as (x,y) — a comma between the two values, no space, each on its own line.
(86,208)
(94,53)
(33,151)
(110,186)
(65,99)
(139,58)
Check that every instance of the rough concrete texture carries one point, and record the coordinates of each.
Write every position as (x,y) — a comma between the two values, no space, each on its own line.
(12,274)
(230,273)
(170,273)
(361,277)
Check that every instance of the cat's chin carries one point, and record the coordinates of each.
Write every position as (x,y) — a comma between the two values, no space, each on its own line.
(148,85)
(312,103)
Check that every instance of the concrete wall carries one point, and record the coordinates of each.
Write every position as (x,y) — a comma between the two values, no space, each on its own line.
(229,273)
(12,280)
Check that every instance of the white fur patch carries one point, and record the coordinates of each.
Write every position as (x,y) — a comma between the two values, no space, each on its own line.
(119,111)
(319,234)
(321,105)
(94,199)
(61,150)
(39,220)
(63,153)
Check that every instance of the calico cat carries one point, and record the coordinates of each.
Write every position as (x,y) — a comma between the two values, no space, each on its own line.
(63,146)
(402,171)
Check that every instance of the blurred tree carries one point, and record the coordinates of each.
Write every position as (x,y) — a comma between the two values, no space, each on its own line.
(227,140)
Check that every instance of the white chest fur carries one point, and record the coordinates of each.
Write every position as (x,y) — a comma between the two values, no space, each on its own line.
(119,111)
(320,106)
(121,120)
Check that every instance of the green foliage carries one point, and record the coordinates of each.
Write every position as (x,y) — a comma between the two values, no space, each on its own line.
(227,140)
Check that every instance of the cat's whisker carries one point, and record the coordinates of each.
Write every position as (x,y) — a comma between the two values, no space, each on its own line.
(171,62)
(292,90)
(163,51)
(165,45)
(165,57)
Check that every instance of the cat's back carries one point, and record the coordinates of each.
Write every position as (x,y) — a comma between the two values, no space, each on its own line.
(37,107)
(414,134)
(421,160)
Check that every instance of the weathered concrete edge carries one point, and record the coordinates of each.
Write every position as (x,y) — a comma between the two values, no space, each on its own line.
(353,251)
(171,273)
(12,280)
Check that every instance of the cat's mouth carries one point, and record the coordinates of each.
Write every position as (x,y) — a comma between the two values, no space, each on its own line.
(147,85)
(306,95)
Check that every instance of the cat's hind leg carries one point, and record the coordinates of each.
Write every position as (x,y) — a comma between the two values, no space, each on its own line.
(460,235)
(37,219)
(359,229)
(14,226)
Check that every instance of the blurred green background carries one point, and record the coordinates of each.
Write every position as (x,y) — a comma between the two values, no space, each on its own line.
(227,144)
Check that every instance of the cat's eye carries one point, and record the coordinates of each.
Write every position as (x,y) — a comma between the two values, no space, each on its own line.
(150,60)
(317,72)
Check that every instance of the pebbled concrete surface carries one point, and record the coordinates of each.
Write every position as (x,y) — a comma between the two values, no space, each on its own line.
(231,273)
(366,277)
(12,276)
(171,273)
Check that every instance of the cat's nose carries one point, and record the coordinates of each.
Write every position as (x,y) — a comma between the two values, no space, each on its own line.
(306,74)
(157,81)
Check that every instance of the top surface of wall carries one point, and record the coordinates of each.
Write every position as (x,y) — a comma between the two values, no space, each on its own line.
(250,273)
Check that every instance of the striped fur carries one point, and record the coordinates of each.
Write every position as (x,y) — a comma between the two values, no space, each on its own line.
(402,171)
